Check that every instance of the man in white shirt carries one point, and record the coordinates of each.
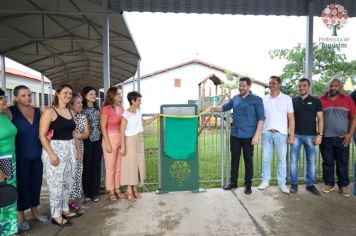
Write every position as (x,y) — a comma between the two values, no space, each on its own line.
(275,134)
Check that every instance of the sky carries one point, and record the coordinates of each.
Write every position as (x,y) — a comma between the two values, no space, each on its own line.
(235,42)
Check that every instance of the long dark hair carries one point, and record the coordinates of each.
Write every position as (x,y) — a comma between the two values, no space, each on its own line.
(85,91)
(58,90)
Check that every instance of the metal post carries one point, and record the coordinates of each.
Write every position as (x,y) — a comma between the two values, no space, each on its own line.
(133,83)
(42,91)
(309,46)
(3,74)
(309,55)
(222,147)
(122,94)
(106,47)
(50,94)
(227,145)
(138,75)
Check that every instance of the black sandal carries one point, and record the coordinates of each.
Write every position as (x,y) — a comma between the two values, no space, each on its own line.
(72,214)
(68,223)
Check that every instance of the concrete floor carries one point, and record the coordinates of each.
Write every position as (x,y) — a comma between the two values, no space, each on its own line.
(215,212)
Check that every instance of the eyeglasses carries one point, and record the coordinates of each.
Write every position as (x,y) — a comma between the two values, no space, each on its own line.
(3,97)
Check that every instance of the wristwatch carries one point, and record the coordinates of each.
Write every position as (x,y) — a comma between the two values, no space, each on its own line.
(319,133)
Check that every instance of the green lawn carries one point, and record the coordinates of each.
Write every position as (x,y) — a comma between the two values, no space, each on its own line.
(210,159)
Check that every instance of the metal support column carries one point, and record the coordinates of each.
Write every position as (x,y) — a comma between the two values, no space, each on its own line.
(309,56)
(221,115)
(106,47)
(42,92)
(138,75)
(133,83)
(3,74)
(309,46)
(50,94)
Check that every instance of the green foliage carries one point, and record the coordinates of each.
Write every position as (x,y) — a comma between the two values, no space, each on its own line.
(233,81)
(328,62)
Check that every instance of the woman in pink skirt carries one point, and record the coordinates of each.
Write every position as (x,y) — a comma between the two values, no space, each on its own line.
(110,121)
(132,149)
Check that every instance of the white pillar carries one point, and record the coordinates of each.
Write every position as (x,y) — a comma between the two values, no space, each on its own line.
(3,74)
(42,92)
(106,47)
(309,46)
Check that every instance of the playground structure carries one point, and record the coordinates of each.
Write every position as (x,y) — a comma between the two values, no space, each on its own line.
(217,98)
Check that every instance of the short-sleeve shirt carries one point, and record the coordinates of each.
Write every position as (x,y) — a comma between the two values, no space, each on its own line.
(305,112)
(134,123)
(114,118)
(276,112)
(337,114)
(93,117)
(246,113)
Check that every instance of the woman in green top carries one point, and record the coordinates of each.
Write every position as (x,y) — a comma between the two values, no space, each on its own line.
(8,214)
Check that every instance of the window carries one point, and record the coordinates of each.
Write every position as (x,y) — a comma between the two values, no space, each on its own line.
(45,99)
(9,96)
(177,83)
(33,95)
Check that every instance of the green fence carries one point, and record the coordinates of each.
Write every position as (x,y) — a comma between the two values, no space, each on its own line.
(214,156)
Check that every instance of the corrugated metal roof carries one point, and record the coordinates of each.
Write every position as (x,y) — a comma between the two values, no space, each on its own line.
(244,7)
(63,39)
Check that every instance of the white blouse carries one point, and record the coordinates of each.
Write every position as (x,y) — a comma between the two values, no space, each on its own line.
(134,122)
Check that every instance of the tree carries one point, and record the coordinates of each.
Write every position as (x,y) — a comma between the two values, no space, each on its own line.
(328,62)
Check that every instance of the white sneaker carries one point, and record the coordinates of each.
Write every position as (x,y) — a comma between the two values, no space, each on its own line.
(263,185)
(284,188)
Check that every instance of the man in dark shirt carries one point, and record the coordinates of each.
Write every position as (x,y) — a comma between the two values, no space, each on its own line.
(308,113)
(247,122)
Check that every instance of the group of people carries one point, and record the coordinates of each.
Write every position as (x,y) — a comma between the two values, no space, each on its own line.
(68,140)
(328,121)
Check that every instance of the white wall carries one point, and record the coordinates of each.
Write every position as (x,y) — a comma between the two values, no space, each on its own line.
(159,89)
(34,85)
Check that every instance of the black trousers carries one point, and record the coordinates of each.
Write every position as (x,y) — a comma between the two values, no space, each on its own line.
(236,144)
(29,182)
(92,157)
(332,151)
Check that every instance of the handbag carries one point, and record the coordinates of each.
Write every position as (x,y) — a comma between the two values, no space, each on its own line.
(50,134)
(6,165)
(8,194)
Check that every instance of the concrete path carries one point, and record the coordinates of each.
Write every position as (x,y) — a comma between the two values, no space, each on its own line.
(215,212)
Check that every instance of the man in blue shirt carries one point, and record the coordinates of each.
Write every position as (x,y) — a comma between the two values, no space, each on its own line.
(247,122)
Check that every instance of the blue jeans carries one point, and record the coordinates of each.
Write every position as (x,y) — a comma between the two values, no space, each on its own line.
(310,152)
(279,142)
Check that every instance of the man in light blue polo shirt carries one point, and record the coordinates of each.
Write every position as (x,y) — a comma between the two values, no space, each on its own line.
(247,122)
(275,134)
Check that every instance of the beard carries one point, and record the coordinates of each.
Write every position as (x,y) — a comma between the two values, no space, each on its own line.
(303,94)
(333,93)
